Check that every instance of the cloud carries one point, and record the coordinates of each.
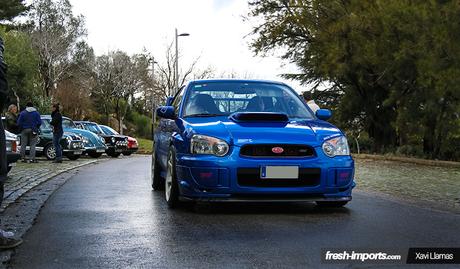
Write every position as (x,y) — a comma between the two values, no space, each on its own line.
(217,32)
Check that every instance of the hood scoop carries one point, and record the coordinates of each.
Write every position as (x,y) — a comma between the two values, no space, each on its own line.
(258,117)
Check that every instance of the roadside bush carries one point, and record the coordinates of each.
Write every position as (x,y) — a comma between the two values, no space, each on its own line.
(141,124)
(411,150)
(365,143)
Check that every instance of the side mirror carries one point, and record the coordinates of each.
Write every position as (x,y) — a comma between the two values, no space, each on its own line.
(166,112)
(323,114)
(169,100)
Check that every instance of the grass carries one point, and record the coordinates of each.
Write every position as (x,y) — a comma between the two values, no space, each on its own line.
(433,184)
(145,146)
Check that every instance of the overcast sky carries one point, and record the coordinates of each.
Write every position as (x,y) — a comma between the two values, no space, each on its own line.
(218,33)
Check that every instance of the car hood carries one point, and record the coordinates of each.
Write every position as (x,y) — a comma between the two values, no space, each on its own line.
(311,132)
(89,135)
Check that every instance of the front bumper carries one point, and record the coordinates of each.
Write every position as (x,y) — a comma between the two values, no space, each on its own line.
(12,157)
(74,148)
(210,178)
(116,149)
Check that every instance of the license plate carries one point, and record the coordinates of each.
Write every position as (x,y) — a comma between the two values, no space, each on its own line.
(77,152)
(100,150)
(281,172)
(118,150)
(12,164)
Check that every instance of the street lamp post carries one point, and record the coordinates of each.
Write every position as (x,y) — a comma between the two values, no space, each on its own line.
(176,75)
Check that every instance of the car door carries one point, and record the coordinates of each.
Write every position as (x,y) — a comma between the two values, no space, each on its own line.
(166,128)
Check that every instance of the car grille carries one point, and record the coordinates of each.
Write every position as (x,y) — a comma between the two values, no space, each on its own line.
(266,150)
(250,177)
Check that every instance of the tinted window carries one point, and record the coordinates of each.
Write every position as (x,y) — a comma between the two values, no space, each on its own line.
(92,128)
(66,123)
(225,98)
(108,131)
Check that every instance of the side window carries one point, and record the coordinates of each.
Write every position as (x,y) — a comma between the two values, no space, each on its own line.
(178,100)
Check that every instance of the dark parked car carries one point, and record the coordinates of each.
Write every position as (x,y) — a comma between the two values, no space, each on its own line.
(116,144)
(72,143)
(94,145)
(12,153)
(133,145)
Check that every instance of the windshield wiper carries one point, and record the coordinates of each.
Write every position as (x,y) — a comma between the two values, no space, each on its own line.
(204,115)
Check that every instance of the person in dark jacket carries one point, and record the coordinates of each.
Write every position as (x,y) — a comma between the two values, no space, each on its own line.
(12,119)
(29,121)
(5,240)
(56,122)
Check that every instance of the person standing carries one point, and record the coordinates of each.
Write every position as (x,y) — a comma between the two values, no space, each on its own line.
(29,121)
(5,241)
(56,122)
(12,119)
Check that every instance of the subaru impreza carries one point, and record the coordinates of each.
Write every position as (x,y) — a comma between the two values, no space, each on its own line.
(248,140)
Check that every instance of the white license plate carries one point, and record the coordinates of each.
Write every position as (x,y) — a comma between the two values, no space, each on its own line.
(12,164)
(77,152)
(281,172)
(100,150)
(118,150)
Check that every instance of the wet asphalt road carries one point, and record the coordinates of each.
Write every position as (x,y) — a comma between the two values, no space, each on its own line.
(107,216)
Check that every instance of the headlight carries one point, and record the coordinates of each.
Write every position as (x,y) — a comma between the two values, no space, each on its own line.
(113,139)
(9,146)
(85,140)
(102,139)
(202,144)
(69,139)
(337,146)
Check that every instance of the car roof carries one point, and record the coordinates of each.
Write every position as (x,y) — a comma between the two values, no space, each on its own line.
(48,117)
(84,121)
(236,81)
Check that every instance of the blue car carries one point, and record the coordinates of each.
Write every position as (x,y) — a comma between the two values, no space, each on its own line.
(94,145)
(248,140)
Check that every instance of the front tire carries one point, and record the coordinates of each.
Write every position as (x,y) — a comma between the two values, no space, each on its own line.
(171,185)
(50,152)
(331,204)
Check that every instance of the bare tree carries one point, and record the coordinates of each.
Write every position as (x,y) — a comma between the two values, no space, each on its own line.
(55,34)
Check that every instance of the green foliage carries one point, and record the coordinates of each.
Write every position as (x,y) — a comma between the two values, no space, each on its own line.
(9,9)
(142,124)
(22,60)
(392,66)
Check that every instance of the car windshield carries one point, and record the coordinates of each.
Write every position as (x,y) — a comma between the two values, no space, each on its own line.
(46,126)
(67,123)
(108,131)
(225,98)
(93,128)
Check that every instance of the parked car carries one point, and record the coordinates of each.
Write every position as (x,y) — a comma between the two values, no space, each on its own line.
(93,145)
(12,152)
(133,145)
(248,140)
(71,143)
(116,144)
